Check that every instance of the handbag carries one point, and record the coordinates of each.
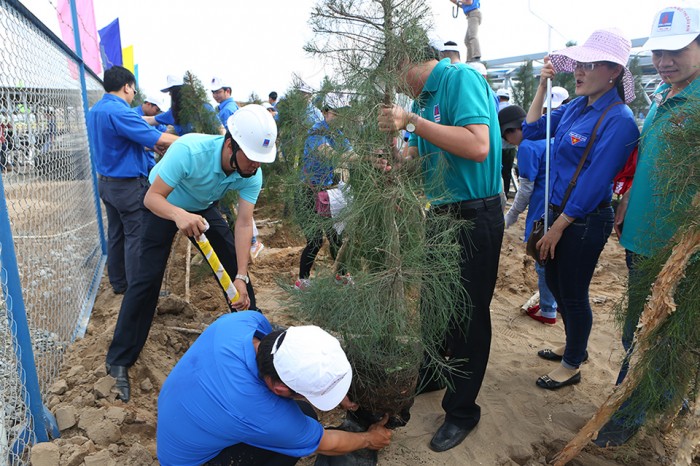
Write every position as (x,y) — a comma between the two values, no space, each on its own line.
(322,204)
(538,228)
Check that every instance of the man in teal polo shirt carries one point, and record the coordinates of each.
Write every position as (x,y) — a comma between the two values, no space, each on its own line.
(196,171)
(454,130)
(119,135)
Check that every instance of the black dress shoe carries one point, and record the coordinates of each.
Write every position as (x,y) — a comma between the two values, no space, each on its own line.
(550,355)
(550,384)
(121,375)
(448,436)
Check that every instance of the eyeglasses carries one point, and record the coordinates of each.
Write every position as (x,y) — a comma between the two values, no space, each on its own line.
(586,66)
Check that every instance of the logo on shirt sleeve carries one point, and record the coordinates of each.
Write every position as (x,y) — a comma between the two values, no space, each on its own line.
(436,114)
(576,138)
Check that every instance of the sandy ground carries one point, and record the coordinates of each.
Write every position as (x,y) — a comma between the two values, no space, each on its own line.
(521,424)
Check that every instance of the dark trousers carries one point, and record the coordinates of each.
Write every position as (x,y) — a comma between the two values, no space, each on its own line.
(141,298)
(242,454)
(507,158)
(314,234)
(569,276)
(634,311)
(123,202)
(469,339)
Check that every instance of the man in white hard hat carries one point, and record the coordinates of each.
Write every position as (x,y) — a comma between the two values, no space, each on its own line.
(245,399)
(196,173)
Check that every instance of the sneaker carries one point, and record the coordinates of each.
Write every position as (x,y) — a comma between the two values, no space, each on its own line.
(255,249)
(344,279)
(302,284)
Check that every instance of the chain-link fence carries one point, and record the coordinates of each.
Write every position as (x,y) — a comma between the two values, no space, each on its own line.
(49,226)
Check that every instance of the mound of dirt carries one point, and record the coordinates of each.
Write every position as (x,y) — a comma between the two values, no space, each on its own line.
(520,423)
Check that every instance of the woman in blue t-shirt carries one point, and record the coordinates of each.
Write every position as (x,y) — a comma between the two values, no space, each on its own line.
(581,218)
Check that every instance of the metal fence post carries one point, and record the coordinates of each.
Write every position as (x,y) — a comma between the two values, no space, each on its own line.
(16,313)
(86,109)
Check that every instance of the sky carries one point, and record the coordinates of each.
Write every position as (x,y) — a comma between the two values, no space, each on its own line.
(257,46)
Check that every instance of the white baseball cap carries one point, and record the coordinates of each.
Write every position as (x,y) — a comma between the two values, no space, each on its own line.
(478,66)
(311,362)
(503,92)
(217,83)
(255,131)
(155,100)
(559,95)
(172,81)
(674,28)
(450,46)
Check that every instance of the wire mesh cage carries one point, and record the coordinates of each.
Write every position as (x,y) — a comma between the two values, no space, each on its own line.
(49,209)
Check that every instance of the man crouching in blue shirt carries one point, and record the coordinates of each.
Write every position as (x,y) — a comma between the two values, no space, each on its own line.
(239,397)
(197,170)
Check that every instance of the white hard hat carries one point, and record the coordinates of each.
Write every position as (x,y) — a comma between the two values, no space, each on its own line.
(255,131)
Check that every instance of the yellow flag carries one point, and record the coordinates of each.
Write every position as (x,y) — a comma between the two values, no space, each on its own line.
(128,58)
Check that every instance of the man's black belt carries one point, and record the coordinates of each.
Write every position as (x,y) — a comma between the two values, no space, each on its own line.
(557,210)
(109,178)
(474,204)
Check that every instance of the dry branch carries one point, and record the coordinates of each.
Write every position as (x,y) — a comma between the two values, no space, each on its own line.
(658,308)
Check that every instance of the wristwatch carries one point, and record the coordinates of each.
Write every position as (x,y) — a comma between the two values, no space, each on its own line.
(411,126)
(243,277)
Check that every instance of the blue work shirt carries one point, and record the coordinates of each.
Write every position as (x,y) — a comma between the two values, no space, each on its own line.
(467,8)
(457,95)
(227,108)
(317,168)
(118,137)
(192,167)
(167,118)
(532,166)
(572,125)
(214,398)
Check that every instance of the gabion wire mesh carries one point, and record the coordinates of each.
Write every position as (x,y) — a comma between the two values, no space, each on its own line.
(16,422)
(49,192)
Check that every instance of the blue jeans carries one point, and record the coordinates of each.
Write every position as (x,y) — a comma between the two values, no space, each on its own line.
(569,276)
(548,305)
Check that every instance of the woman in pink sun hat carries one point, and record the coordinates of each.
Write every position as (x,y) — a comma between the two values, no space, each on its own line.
(593,135)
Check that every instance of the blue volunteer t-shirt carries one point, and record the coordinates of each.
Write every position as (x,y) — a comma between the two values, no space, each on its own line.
(227,108)
(317,167)
(467,8)
(532,166)
(119,136)
(192,167)
(457,95)
(572,126)
(214,398)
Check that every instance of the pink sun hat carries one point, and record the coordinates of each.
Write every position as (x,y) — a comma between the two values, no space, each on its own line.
(603,45)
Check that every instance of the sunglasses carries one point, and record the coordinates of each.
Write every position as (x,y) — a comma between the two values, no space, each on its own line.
(586,66)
